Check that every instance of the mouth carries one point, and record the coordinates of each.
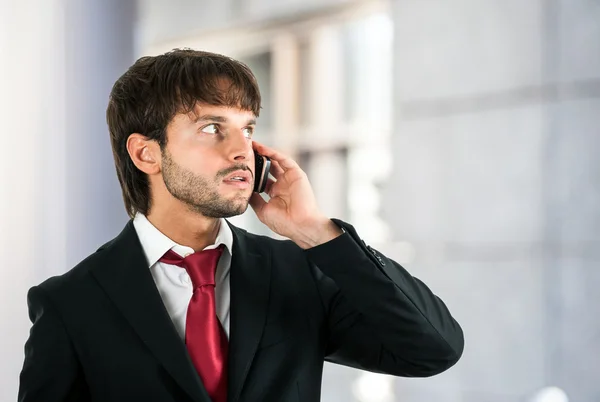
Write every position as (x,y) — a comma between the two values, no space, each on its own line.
(239,178)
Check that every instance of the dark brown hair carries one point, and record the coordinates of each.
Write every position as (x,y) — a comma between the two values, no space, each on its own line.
(152,91)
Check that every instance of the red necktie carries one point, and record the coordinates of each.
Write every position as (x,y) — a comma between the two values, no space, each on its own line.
(204,336)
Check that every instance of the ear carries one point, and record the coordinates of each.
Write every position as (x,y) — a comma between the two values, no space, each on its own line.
(144,153)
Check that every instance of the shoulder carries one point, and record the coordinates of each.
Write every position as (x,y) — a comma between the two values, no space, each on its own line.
(77,279)
(276,247)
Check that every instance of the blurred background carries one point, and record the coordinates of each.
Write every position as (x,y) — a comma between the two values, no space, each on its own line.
(460,137)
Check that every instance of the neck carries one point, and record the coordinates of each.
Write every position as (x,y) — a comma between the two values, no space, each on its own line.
(186,228)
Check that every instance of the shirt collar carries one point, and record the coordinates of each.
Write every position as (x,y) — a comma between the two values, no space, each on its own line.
(155,244)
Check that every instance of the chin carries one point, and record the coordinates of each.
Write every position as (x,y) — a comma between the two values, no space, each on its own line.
(240,198)
(240,207)
(231,209)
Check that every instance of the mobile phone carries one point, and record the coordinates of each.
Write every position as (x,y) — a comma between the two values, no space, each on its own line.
(262,165)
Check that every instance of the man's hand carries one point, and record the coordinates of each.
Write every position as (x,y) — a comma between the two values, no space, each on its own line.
(292,210)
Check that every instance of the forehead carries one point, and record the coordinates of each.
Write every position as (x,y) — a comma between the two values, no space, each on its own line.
(231,112)
(220,113)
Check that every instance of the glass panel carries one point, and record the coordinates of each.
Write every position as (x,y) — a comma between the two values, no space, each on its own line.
(260,64)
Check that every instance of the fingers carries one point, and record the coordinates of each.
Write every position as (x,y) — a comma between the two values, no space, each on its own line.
(284,161)
(269,186)
(276,170)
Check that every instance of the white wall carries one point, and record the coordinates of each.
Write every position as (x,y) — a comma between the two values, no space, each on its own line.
(165,21)
(29,110)
(59,197)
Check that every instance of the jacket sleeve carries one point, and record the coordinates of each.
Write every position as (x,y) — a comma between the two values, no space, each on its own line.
(51,371)
(380,318)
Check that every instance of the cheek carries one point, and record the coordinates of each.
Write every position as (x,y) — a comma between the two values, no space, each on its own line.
(202,164)
(201,167)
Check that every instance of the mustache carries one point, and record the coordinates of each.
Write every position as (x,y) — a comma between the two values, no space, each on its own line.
(234,168)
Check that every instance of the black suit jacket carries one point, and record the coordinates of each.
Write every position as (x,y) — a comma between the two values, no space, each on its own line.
(101,332)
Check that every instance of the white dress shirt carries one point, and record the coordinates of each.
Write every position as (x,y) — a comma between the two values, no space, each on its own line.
(173,282)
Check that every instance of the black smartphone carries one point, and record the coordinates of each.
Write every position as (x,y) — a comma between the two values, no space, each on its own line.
(262,165)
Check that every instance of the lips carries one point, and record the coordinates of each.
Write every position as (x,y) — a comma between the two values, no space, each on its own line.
(239,176)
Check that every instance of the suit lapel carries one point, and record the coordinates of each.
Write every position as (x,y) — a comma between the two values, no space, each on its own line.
(250,278)
(128,282)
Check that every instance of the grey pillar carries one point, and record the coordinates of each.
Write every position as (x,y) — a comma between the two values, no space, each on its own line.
(572,197)
(496,185)
(99,48)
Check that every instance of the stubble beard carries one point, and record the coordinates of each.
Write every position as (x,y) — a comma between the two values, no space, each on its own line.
(198,193)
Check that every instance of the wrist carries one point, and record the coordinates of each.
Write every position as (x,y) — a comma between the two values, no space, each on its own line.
(319,231)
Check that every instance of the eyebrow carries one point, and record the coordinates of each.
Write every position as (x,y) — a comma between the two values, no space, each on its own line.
(221,119)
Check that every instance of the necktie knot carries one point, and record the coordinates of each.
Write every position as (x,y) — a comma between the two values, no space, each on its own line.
(200,266)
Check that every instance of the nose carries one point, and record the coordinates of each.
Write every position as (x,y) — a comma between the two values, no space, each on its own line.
(239,147)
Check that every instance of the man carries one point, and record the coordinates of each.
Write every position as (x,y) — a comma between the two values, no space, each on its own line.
(184,306)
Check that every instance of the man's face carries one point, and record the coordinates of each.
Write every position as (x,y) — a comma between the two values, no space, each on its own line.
(208,162)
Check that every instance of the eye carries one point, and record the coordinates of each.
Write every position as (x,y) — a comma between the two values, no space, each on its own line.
(210,129)
(248,131)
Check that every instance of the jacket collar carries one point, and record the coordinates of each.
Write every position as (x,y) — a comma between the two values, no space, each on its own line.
(125,277)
